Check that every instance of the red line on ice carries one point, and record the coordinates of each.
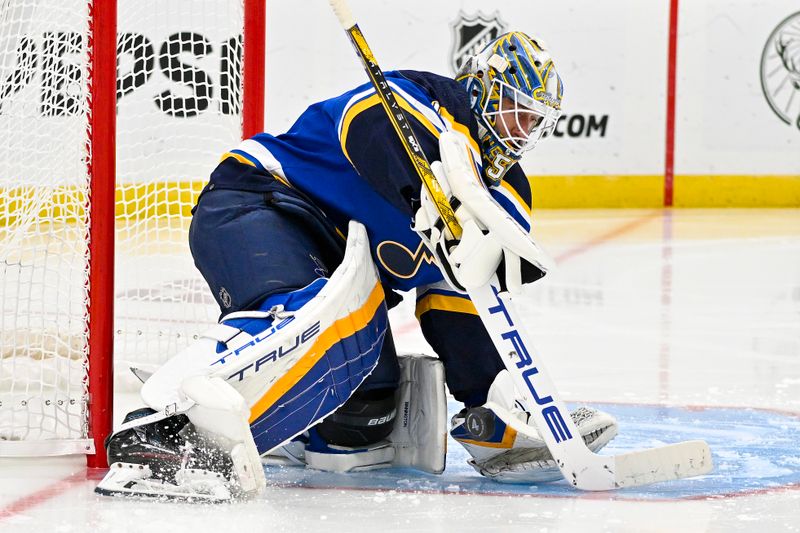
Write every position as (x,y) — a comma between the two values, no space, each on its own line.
(607,236)
(40,496)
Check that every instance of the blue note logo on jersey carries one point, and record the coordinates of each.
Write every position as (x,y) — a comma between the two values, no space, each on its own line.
(471,33)
(401,262)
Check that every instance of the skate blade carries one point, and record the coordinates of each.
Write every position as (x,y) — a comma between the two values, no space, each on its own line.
(136,481)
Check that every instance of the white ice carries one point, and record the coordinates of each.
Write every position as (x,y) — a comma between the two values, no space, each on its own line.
(648,308)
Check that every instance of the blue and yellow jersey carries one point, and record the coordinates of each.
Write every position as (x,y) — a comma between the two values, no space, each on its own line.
(344,155)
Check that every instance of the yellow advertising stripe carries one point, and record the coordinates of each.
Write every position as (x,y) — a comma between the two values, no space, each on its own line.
(61,204)
(148,200)
(736,190)
(631,191)
(139,201)
(342,328)
(597,191)
(67,203)
(441,302)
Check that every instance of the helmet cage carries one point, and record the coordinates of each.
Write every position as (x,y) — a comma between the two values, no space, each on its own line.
(515,119)
(515,94)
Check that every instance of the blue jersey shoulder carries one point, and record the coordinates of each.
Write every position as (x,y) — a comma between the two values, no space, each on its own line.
(432,104)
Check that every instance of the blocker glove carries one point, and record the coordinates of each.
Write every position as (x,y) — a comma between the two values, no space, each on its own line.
(491,242)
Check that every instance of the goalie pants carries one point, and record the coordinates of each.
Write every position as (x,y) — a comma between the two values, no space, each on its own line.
(250,242)
(249,245)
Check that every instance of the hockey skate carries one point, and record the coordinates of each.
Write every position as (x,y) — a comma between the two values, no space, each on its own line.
(154,456)
(506,448)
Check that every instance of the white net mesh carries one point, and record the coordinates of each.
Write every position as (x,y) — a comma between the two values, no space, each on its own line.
(179,111)
(179,108)
(43,227)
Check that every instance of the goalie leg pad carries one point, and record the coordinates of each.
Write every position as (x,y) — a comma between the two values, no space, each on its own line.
(420,430)
(298,361)
(417,440)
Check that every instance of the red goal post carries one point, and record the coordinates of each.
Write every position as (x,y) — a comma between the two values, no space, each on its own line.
(112,114)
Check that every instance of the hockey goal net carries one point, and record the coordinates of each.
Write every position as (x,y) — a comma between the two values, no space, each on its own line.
(188,72)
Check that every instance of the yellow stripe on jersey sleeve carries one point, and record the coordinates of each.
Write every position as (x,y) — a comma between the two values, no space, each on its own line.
(242,159)
(441,302)
(461,128)
(239,157)
(366,103)
(513,192)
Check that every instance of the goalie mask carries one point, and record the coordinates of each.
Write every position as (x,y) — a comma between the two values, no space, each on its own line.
(515,92)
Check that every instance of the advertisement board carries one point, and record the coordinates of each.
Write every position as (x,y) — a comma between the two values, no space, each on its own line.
(735,106)
(734,97)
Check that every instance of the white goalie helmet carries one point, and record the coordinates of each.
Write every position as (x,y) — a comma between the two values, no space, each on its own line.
(516,93)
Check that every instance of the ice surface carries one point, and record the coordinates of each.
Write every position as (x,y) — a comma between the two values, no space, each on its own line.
(683,324)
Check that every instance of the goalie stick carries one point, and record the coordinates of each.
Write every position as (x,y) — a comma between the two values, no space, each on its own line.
(581,467)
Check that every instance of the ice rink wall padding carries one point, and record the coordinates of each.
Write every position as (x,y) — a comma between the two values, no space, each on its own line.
(667,102)
(724,132)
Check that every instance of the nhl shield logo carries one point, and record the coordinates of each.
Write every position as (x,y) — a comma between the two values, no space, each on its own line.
(225,298)
(471,33)
(780,70)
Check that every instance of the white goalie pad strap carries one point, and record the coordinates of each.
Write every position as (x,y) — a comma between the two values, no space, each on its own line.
(420,429)
(303,364)
(217,406)
(221,333)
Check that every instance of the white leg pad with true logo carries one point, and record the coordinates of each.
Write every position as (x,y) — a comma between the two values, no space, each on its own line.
(296,362)
(259,378)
